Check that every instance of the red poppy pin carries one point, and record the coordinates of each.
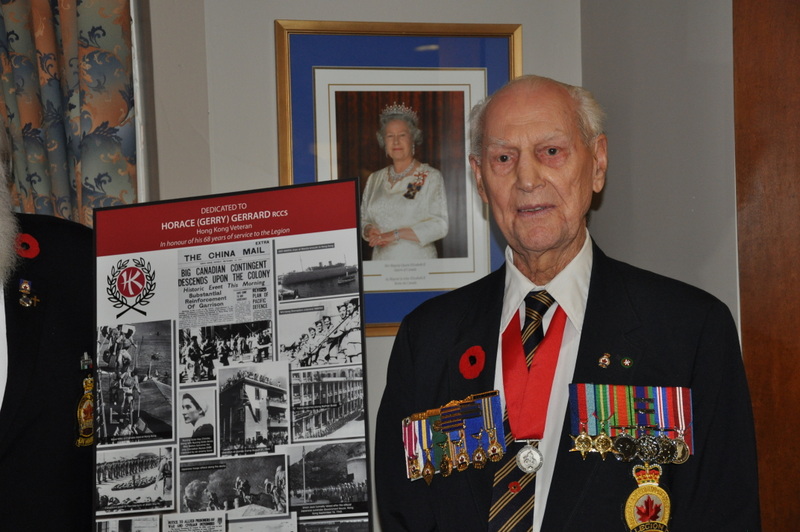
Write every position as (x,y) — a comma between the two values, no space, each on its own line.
(27,246)
(472,362)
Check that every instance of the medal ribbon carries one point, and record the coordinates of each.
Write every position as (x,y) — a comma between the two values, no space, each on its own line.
(410,439)
(577,403)
(684,418)
(528,391)
(665,408)
(663,415)
(601,391)
(643,407)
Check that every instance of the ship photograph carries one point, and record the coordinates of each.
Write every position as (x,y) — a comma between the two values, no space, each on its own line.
(318,270)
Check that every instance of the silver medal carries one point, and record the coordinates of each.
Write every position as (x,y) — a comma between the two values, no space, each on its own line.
(529,459)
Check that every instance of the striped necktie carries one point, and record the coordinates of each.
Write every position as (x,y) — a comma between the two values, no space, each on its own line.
(513,491)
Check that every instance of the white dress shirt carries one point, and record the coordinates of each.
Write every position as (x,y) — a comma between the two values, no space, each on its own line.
(570,289)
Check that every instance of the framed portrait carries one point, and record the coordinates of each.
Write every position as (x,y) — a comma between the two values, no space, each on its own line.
(335,79)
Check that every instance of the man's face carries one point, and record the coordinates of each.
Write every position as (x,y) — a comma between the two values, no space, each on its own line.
(535,172)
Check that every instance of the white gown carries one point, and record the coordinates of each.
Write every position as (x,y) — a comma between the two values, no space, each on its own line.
(417,201)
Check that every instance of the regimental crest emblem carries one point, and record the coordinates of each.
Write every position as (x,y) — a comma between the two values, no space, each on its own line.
(131,285)
(648,506)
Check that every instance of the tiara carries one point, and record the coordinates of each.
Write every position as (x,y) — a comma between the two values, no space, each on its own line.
(401,109)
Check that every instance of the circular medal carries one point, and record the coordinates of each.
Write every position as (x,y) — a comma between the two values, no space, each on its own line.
(667,450)
(462,460)
(479,458)
(413,467)
(647,448)
(583,444)
(624,447)
(529,459)
(681,451)
(495,451)
(603,444)
(446,466)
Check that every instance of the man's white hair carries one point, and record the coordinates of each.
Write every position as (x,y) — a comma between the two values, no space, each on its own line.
(588,113)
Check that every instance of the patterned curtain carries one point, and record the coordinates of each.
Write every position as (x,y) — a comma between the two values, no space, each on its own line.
(67,104)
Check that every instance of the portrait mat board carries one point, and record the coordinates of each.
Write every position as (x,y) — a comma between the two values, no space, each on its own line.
(444,273)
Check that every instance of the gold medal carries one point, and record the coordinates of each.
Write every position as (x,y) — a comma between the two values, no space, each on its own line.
(603,444)
(478,455)
(648,506)
(413,467)
(583,443)
(428,471)
(681,450)
(462,457)
(495,451)
(446,465)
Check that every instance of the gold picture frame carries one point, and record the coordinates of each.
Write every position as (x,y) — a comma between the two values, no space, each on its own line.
(305,49)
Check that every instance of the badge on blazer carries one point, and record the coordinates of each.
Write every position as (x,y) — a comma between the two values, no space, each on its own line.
(648,506)
(25,290)
(85,414)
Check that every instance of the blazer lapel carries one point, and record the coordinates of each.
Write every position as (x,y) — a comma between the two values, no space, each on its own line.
(478,332)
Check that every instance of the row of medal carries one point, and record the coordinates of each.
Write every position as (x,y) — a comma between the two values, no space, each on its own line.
(651,445)
(453,437)
(651,423)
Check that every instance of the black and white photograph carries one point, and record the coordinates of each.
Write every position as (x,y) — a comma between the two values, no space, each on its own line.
(134,480)
(134,388)
(195,522)
(198,408)
(142,523)
(327,403)
(328,478)
(204,350)
(288,524)
(356,524)
(317,265)
(253,408)
(244,487)
(321,333)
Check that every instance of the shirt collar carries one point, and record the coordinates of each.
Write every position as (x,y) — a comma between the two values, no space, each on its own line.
(570,287)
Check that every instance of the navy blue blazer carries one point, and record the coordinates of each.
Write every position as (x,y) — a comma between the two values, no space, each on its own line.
(675,334)
(47,481)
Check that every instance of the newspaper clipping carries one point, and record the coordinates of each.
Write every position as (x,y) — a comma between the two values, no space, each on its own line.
(230,364)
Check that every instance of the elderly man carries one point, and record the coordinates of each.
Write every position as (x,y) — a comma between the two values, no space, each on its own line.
(538,155)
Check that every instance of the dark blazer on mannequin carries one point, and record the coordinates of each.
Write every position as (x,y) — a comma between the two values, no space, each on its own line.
(676,335)
(47,481)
